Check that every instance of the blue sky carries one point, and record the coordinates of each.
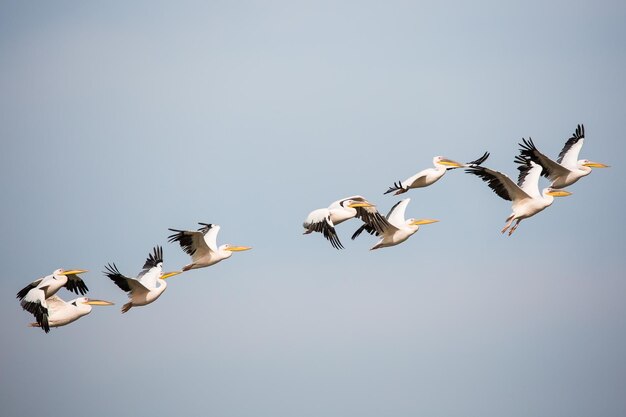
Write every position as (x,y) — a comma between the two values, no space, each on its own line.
(121,120)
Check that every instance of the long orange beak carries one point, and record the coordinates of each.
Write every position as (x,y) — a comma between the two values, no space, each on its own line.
(166,275)
(238,248)
(73,272)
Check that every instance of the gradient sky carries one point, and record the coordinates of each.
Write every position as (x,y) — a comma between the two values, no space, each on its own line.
(121,119)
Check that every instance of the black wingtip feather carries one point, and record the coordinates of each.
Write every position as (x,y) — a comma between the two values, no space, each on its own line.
(76,285)
(154,258)
(396,187)
(40,313)
(22,293)
(116,276)
(480,160)
(491,180)
(184,239)
(580,132)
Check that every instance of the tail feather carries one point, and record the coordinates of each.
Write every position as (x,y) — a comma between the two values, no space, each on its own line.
(127,307)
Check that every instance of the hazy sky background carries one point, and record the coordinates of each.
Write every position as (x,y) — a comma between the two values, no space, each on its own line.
(121,119)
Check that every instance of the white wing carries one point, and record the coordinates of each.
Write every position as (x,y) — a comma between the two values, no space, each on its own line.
(569,154)
(55,304)
(396,214)
(197,244)
(22,293)
(551,169)
(152,268)
(210,238)
(529,174)
(149,278)
(319,221)
(34,296)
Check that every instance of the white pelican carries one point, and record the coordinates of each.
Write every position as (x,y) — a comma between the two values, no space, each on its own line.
(33,296)
(149,284)
(202,246)
(567,169)
(398,229)
(324,220)
(62,312)
(429,176)
(527,201)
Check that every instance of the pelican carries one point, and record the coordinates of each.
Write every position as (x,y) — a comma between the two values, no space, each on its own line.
(201,245)
(149,284)
(33,297)
(61,312)
(527,201)
(398,229)
(429,176)
(324,220)
(567,169)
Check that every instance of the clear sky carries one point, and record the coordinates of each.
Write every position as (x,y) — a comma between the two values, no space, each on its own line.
(121,119)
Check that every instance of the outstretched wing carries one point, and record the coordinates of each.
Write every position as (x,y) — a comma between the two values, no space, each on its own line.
(35,303)
(551,169)
(366,228)
(396,214)
(568,157)
(370,215)
(501,184)
(210,232)
(192,242)
(150,272)
(529,173)
(391,218)
(22,293)
(115,275)
(319,221)
(126,284)
(76,284)
(477,161)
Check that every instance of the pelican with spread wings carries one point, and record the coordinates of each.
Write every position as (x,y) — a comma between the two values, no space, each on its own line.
(61,312)
(568,168)
(324,220)
(398,229)
(201,245)
(525,196)
(149,284)
(33,298)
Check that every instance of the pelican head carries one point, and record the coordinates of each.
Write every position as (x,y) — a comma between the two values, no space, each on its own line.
(227,249)
(446,163)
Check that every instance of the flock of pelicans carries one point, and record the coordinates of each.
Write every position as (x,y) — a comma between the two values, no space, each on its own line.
(39,297)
